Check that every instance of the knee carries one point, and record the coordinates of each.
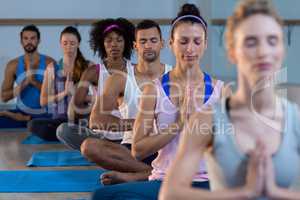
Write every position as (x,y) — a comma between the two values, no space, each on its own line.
(89,146)
(62,131)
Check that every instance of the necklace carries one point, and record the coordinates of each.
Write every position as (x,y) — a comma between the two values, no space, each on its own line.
(110,67)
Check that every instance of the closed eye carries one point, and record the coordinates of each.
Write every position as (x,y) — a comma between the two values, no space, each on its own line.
(250,41)
(272,40)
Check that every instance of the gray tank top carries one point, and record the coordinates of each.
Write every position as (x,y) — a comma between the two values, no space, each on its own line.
(227,165)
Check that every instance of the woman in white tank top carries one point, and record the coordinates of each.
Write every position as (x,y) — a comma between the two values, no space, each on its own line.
(112,40)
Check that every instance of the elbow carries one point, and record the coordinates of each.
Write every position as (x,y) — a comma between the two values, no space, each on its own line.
(43,102)
(94,116)
(93,120)
(138,152)
(5,98)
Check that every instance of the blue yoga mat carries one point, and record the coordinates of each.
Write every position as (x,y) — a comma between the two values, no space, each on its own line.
(57,159)
(22,181)
(33,139)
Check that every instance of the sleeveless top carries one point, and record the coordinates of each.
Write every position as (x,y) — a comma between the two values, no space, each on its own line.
(29,98)
(166,113)
(132,93)
(60,108)
(103,75)
(227,165)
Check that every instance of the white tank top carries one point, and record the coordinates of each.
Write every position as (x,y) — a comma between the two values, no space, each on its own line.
(132,93)
(103,75)
(166,113)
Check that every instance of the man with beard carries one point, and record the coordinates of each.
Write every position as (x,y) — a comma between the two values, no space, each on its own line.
(27,72)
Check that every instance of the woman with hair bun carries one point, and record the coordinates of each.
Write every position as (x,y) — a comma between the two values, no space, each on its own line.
(166,104)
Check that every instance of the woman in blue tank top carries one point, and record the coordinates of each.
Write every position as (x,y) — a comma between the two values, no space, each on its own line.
(253,149)
(58,85)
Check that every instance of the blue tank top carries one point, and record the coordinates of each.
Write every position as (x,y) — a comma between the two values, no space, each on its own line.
(208,89)
(29,99)
(227,165)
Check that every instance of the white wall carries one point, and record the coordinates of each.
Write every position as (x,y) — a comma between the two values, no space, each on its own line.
(214,61)
(87,9)
(289,9)
(75,9)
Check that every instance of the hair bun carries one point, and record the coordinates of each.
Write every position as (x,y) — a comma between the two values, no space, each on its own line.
(189,9)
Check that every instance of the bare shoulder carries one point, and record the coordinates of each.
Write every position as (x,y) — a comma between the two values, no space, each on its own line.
(215,81)
(11,67)
(13,63)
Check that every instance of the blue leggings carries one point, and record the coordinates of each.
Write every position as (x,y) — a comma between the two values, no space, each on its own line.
(6,122)
(146,190)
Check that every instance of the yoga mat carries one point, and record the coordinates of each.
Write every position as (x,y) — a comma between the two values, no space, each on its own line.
(33,139)
(23,181)
(57,159)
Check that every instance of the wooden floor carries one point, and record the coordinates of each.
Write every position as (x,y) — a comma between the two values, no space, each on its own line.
(14,155)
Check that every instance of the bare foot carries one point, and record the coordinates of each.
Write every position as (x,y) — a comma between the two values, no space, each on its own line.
(114,177)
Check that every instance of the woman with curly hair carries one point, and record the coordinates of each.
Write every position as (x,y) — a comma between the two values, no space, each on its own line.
(112,40)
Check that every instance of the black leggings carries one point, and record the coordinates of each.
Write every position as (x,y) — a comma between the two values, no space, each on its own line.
(45,128)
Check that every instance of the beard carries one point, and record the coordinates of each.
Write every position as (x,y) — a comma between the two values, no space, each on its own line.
(30,48)
(150,56)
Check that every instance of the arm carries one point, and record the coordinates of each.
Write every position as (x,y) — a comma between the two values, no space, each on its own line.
(47,91)
(193,144)
(282,193)
(144,142)
(89,77)
(8,91)
(79,103)
(101,117)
